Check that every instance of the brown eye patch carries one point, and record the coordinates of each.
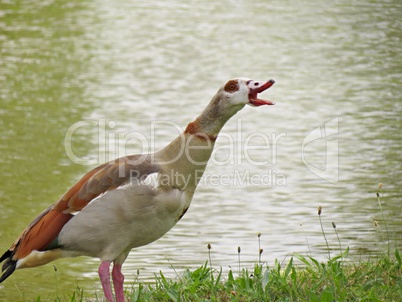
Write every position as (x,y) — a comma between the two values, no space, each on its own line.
(231,86)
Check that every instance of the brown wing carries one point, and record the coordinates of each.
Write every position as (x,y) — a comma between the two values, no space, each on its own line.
(46,227)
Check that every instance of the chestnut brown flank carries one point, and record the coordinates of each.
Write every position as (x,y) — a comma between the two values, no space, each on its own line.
(42,233)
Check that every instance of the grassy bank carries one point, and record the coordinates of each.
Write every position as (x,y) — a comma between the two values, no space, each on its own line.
(334,280)
(331,281)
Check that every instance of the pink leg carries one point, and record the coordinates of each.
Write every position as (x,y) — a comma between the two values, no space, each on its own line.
(104,275)
(118,280)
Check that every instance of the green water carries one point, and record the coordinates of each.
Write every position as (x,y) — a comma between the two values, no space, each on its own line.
(120,66)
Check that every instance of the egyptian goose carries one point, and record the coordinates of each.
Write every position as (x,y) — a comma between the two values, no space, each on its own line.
(113,209)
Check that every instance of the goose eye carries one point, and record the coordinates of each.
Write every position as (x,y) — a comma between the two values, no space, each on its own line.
(231,86)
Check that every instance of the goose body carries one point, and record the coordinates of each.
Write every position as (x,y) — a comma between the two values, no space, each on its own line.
(131,201)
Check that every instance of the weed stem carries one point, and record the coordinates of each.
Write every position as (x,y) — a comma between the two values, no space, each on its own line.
(322,229)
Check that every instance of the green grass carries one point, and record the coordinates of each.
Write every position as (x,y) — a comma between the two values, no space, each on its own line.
(379,280)
(302,278)
(315,281)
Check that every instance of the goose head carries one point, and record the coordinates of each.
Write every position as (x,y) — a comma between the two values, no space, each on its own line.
(237,93)
(244,91)
(229,99)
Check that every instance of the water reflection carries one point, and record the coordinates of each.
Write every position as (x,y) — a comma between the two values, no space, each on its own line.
(133,63)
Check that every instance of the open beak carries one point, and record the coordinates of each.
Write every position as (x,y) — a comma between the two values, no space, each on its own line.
(255,88)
